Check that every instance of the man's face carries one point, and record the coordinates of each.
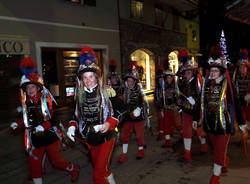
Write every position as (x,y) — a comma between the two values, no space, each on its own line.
(32,89)
(113,80)
(188,74)
(89,79)
(214,72)
(130,82)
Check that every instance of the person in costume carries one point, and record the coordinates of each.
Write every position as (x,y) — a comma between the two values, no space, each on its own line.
(96,116)
(189,84)
(241,80)
(171,110)
(220,106)
(114,79)
(41,133)
(134,101)
(158,99)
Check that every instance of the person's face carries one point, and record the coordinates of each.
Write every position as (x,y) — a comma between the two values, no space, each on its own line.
(89,79)
(169,79)
(130,82)
(113,80)
(188,74)
(32,89)
(214,72)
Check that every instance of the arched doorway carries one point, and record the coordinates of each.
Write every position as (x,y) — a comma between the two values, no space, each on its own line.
(145,58)
(173,61)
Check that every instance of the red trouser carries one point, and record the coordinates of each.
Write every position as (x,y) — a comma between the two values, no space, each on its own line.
(100,156)
(127,129)
(56,158)
(161,120)
(169,121)
(187,126)
(220,143)
(245,112)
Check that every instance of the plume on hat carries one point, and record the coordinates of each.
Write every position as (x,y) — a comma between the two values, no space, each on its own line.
(216,52)
(87,60)
(243,54)
(112,66)
(28,66)
(183,56)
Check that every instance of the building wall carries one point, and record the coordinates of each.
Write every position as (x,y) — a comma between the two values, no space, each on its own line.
(142,33)
(59,21)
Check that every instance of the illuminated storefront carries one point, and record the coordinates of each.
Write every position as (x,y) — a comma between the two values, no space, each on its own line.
(145,59)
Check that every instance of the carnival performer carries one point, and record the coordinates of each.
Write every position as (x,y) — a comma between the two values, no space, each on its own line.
(41,133)
(241,80)
(219,105)
(114,79)
(171,110)
(158,99)
(189,84)
(96,116)
(134,101)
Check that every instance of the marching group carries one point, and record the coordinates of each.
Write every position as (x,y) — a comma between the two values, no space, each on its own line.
(210,104)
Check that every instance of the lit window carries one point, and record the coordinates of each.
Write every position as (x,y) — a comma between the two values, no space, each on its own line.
(159,15)
(137,8)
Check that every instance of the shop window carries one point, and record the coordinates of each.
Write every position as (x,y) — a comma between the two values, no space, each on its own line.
(173,61)
(145,60)
(159,15)
(137,8)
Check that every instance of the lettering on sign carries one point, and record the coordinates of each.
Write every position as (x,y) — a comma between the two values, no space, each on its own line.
(8,46)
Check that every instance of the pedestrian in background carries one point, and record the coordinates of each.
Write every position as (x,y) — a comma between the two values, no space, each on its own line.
(189,84)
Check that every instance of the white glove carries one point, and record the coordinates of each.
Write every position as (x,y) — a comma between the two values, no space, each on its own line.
(14,125)
(191,100)
(137,112)
(194,125)
(243,128)
(97,128)
(71,133)
(39,128)
(180,110)
(246,98)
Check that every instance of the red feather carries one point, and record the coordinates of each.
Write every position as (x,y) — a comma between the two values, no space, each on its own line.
(160,68)
(28,62)
(112,63)
(183,53)
(244,51)
(34,77)
(87,49)
(216,51)
(132,64)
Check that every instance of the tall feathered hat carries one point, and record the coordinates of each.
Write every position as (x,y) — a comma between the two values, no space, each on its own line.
(30,75)
(132,71)
(159,71)
(112,68)
(243,57)
(87,61)
(185,60)
(216,58)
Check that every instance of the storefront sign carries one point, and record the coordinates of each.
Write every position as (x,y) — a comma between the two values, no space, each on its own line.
(14,46)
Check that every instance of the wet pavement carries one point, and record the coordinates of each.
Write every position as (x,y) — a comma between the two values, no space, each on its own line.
(160,165)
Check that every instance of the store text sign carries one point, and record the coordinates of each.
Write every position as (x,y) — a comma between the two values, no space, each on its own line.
(14,46)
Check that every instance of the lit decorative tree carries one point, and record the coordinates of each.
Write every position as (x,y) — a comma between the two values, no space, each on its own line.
(223,46)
